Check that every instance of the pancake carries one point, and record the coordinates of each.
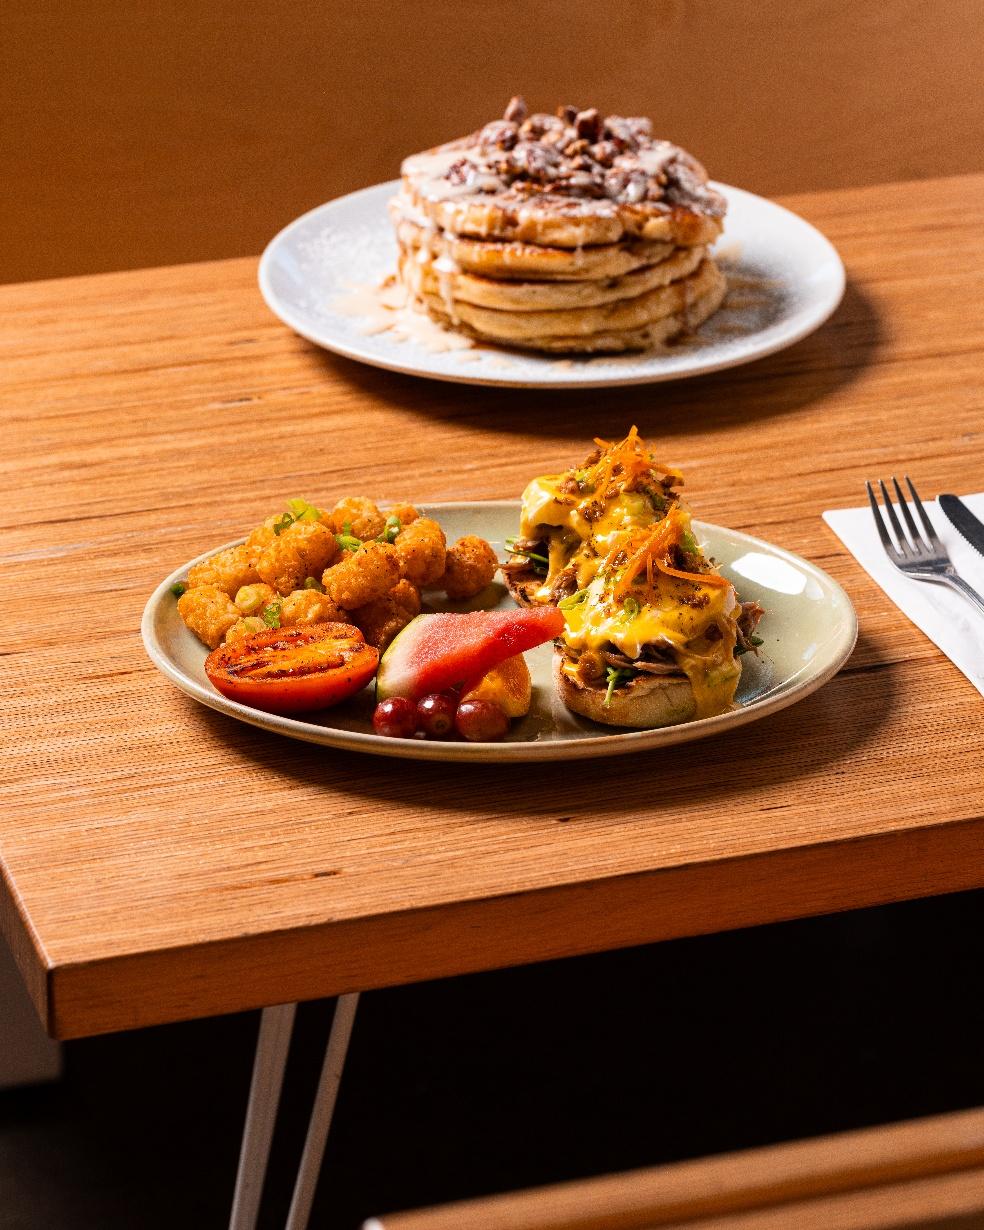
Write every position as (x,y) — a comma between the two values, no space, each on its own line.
(646,309)
(570,180)
(647,336)
(514,296)
(492,258)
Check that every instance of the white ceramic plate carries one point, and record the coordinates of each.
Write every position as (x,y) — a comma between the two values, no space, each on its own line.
(809,630)
(785,280)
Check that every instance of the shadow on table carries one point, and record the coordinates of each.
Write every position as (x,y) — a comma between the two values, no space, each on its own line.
(811,739)
(812,370)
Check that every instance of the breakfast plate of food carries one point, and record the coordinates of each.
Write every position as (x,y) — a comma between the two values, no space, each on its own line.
(567,250)
(592,617)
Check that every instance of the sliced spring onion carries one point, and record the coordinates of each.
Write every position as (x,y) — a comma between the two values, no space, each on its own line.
(393,527)
(348,542)
(616,675)
(314,583)
(178,588)
(631,607)
(573,600)
(530,555)
(271,615)
(284,523)
(303,510)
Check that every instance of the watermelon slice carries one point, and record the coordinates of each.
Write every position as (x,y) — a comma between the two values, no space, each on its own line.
(436,652)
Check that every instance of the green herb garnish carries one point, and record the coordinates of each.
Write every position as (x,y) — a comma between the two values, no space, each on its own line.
(689,543)
(540,562)
(347,541)
(616,676)
(313,583)
(284,523)
(271,615)
(303,510)
(393,527)
(630,607)
(756,641)
(573,600)
(178,588)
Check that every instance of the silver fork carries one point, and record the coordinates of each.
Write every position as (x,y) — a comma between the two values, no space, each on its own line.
(923,559)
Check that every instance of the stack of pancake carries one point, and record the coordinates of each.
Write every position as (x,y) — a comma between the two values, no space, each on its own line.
(567,233)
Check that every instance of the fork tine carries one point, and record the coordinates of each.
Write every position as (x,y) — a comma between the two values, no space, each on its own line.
(923,517)
(883,534)
(904,510)
(904,546)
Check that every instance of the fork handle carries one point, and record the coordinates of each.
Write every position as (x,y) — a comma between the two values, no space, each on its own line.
(961,586)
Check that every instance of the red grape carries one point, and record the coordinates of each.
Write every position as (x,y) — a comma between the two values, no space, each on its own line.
(480,721)
(396,718)
(435,714)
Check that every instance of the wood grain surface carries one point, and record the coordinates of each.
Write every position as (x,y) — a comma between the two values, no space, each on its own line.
(899,1174)
(152,134)
(162,862)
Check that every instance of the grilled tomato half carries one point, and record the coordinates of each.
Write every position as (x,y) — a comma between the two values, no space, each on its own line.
(294,670)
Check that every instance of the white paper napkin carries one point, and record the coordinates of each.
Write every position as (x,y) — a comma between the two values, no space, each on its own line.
(948,619)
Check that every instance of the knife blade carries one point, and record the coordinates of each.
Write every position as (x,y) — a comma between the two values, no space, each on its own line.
(964,520)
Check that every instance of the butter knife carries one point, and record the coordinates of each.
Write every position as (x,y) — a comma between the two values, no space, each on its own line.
(960,516)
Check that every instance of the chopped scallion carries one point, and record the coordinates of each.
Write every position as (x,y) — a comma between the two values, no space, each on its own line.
(348,542)
(616,675)
(284,523)
(271,615)
(573,600)
(178,588)
(303,510)
(314,583)
(393,527)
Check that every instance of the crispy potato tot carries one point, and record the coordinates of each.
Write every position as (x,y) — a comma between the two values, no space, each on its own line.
(229,571)
(209,612)
(309,606)
(261,537)
(251,599)
(363,576)
(421,550)
(362,516)
(243,628)
(302,550)
(469,566)
(381,620)
(404,513)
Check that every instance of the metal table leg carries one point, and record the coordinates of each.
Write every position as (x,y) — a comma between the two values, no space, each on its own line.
(324,1106)
(272,1045)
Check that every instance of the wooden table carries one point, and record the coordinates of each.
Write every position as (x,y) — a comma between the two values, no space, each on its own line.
(162,862)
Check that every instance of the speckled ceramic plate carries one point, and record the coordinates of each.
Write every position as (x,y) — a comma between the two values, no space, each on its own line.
(785,280)
(809,630)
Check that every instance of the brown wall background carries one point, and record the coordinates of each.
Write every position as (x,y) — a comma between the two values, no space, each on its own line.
(136,133)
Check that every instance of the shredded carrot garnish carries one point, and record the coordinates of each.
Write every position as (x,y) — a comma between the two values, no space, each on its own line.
(700,578)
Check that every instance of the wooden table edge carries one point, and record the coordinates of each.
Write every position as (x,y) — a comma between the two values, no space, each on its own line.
(135,990)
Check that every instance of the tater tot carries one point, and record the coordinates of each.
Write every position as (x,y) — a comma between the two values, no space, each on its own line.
(302,550)
(420,549)
(364,576)
(381,620)
(251,599)
(243,628)
(261,537)
(404,513)
(361,516)
(229,571)
(309,606)
(209,612)
(469,566)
